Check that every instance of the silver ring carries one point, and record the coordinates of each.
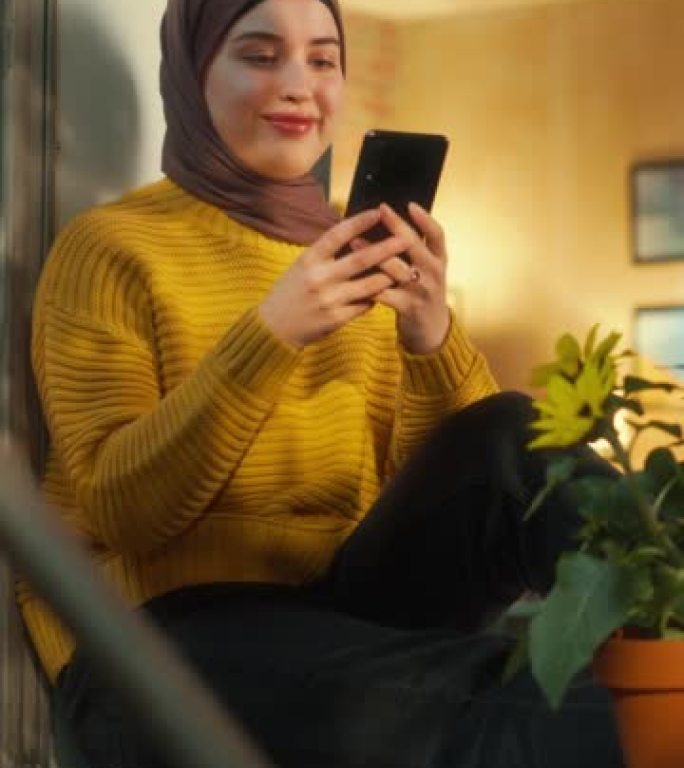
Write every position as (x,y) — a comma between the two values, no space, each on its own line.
(415,275)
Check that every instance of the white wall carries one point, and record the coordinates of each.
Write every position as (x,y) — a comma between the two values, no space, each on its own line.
(110,122)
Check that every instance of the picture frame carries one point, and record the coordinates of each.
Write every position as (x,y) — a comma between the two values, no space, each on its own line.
(657,199)
(658,338)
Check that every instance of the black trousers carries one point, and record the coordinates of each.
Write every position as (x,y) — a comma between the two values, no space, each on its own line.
(388,663)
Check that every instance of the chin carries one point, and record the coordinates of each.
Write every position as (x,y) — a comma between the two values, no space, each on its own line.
(289,168)
(283,174)
(287,172)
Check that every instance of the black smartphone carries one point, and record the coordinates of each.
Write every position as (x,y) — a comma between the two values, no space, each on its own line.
(396,168)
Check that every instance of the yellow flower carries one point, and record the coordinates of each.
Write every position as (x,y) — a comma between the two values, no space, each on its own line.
(574,405)
(561,422)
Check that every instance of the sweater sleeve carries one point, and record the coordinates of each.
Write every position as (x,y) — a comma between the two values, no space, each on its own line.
(144,464)
(434,385)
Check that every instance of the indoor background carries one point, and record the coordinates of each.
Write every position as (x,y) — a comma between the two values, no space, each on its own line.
(548,105)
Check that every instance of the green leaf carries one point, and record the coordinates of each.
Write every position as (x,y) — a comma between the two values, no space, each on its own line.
(611,505)
(559,471)
(594,495)
(669,474)
(661,465)
(590,600)
(639,564)
(626,523)
(625,354)
(542,373)
(615,402)
(645,555)
(678,612)
(634,384)
(519,657)
(674,430)
(589,343)
(669,583)
(671,429)
(569,354)
(568,348)
(671,511)
(607,345)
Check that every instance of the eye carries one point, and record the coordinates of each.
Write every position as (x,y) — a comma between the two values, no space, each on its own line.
(260,59)
(322,63)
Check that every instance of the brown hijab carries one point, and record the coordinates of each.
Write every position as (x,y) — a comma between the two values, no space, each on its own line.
(195,157)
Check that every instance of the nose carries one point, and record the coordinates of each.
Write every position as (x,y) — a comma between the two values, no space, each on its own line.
(296,82)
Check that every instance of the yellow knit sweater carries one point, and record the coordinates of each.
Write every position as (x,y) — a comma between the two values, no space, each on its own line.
(190,445)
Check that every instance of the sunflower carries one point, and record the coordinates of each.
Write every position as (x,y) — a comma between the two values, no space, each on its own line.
(578,387)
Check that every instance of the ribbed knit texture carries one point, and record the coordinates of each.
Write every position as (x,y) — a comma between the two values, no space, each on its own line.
(189,444)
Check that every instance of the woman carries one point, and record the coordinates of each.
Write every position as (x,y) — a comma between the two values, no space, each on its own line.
(303,475)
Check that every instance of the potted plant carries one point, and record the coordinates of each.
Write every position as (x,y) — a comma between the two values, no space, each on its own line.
(619,599)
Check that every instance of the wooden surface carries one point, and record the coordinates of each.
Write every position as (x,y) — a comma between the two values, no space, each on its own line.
(25,230)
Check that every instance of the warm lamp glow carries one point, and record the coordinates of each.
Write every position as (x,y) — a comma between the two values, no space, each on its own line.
(412,9)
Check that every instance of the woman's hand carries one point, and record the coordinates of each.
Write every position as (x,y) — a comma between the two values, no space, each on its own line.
(320,293)
(418,293)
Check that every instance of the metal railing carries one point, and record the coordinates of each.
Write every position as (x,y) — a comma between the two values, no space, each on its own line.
(183,720)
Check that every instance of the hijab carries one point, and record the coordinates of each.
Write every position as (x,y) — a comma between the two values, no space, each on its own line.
(196,158)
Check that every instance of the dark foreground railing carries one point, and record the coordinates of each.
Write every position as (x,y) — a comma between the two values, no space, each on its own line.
(183,720)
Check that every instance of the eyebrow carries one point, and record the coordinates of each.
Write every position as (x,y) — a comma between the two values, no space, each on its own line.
(273,38)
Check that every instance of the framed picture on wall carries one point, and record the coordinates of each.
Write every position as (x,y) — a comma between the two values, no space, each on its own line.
(659,338)
(657,190)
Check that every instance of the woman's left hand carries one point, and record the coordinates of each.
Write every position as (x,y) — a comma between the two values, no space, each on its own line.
(419,293)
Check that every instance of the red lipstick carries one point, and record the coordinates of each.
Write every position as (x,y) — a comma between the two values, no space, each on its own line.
(292,125)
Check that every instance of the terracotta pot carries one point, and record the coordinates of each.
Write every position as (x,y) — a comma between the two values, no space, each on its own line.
(646,678)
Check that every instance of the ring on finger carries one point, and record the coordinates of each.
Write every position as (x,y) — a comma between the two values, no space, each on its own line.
(415,275)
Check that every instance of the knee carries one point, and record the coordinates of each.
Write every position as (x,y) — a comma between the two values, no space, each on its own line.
(509,411)
(499,420)
(510,404)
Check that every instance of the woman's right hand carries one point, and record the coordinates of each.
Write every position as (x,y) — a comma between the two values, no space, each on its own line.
(320,293)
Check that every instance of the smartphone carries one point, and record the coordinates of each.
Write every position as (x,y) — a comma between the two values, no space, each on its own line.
(396,168)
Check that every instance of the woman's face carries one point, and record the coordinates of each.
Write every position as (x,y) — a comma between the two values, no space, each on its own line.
(275,87)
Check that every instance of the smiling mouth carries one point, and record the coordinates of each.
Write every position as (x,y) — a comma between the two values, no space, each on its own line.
(291,125)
